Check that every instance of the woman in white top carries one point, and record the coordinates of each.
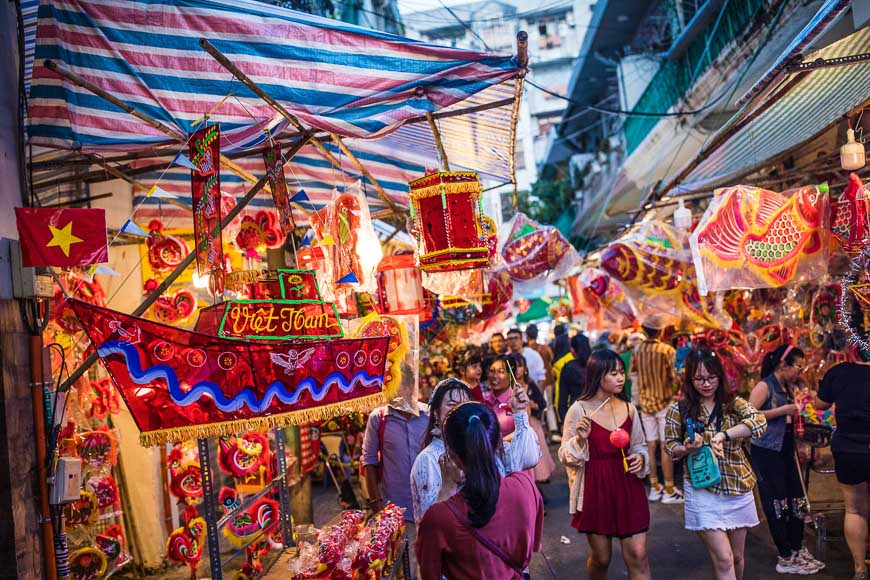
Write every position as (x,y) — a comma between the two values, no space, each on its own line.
(434,477)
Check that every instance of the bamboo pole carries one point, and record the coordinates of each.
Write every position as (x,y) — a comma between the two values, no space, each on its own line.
(169,131)
(188,260)
(445,165)
(228,64)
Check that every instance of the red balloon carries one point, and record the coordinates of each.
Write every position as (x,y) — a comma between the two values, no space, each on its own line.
(620,438)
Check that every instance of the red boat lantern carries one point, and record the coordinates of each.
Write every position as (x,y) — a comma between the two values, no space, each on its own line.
(400,288)
(451,232)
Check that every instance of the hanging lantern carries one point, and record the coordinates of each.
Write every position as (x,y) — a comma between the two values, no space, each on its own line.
(449,227)
(400,288)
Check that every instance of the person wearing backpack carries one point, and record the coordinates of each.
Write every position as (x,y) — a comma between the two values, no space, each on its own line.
(492,526)
(706,428)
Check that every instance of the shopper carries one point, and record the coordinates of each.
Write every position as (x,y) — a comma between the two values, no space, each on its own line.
(846,386)
(775,461)
(535,363)
(607,495)
(654,377)
(434,477)
(548,387)
(723,513)
(491,528)
(572,378)
(470,371)
(560,345)
(497,343)
(543,470)
(501,377)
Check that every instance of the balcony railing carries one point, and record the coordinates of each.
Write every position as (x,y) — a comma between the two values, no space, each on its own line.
(674,78)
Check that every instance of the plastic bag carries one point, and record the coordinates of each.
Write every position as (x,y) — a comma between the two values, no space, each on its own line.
(754,238)
(654,264)
(535,254)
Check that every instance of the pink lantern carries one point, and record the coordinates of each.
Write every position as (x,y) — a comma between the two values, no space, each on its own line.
(400,288)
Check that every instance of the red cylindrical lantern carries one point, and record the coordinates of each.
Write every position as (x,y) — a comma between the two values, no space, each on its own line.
(450,231)
(400,288)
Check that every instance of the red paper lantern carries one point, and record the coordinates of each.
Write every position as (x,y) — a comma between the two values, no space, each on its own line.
(449,227)
(400,288)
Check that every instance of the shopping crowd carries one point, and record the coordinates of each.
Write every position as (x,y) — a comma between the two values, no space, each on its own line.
(627,417)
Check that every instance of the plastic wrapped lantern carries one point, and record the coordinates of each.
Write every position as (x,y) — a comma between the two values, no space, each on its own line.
(400,288)
(449,227)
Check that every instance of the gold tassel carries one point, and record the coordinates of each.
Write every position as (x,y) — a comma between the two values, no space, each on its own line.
(300,417)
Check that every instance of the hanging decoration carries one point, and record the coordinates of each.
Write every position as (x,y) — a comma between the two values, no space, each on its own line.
(101,399)
(205,182)
(90,291)
(754,238)
(855,289)
(400,288)
(654,265)
(97,448)
(252,521)
(81,512)
(246,457)
(278,184)
(399,347)
(171,307)
(87,564)
(165,252)
(850,217)
(448,224)
(185,544)
(536,254)
(601,298)
(185,475)
(258,232)
(179,384)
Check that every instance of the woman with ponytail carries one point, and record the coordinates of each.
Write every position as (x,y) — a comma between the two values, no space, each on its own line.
(492,526)
(775,462)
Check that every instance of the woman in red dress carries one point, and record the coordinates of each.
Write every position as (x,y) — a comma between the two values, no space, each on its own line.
(604,452)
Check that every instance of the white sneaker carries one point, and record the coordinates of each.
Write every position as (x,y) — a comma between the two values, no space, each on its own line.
(674,497)
(804,556)
(793,565)
(655,493)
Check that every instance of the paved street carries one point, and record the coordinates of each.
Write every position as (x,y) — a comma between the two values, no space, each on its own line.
(675,554)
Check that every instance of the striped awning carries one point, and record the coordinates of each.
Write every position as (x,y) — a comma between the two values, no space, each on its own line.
(808,108)
(372,88)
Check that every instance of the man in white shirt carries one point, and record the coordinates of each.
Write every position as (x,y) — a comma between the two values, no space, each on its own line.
(534,362)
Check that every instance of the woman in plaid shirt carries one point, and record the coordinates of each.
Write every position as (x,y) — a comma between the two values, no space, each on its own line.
(721,514)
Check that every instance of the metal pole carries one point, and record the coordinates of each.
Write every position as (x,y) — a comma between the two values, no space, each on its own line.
(284,487)
(208,501)
(188,260)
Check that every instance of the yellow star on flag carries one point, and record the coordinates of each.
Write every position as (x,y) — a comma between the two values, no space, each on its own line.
(63,238)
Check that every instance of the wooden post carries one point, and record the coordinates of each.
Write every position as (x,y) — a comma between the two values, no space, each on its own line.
(188,260)
(445,165)
(228,64)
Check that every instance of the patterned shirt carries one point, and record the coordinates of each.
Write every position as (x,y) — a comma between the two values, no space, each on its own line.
(654,362)
(737,475)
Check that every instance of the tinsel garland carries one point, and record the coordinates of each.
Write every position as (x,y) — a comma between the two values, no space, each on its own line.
(844,313)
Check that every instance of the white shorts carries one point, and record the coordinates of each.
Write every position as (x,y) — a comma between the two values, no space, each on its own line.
(654,425)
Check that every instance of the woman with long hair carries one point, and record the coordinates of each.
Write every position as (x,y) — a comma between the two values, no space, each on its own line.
(775,462)
(721,514)
(434,477)
(537,405)
(492,526)
(606,467)
(501,378)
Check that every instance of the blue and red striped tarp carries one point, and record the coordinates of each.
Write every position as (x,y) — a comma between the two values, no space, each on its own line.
(332,76)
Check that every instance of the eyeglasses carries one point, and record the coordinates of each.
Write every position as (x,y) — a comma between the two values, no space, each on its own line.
(708,380)
(801,368)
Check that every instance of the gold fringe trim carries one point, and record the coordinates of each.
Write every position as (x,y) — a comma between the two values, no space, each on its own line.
(449,189)
(440,176)
(300,417)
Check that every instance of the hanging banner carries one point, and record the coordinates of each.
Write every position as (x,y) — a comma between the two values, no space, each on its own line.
(182,385)
(205,183)
(278,185)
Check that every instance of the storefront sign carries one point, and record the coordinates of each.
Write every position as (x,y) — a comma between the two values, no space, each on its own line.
(279,320)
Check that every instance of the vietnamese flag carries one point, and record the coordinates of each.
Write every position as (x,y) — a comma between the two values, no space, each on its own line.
(62,237)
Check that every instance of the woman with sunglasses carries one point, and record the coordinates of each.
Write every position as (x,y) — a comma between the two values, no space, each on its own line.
(721,514)
(775,461)
(537,405)
(434,477)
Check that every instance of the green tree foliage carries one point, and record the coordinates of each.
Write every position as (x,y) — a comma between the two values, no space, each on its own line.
(547,200)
